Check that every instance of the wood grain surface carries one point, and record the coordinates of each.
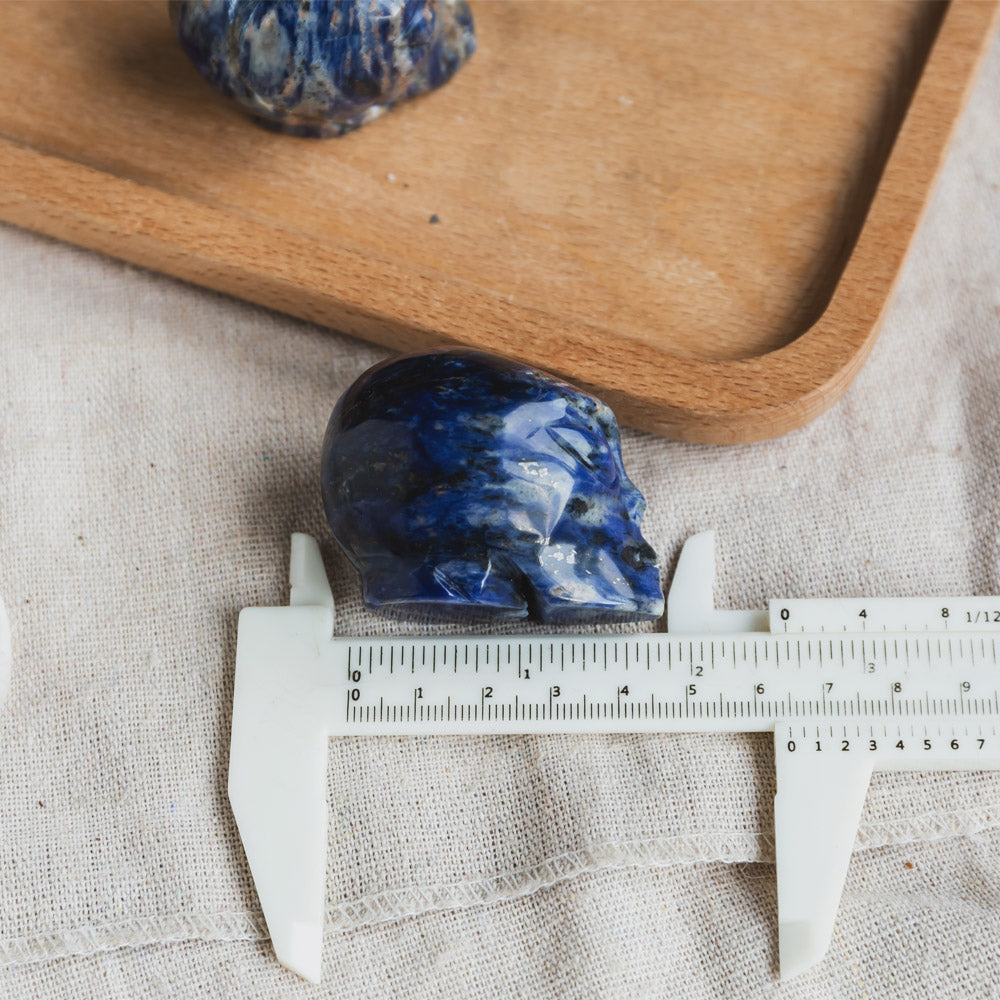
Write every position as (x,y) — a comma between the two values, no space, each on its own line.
(696,210)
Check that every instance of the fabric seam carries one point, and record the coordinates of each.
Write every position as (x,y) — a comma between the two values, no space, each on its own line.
(384,907)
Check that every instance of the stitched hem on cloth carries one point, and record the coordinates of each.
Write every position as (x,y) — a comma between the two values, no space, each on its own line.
(393,904)
(133,933)
(384,907)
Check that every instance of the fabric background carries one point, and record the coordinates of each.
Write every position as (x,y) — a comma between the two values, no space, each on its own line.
(158,445)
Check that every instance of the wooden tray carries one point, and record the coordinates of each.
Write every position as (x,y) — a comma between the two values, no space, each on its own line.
(696,210)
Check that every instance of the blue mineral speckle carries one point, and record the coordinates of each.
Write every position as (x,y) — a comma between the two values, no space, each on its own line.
(464,485)
(324,67)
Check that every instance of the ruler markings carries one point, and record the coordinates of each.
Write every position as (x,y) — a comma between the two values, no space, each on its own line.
(960,684)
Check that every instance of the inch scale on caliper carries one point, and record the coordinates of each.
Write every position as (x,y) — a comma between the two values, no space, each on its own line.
(915,685)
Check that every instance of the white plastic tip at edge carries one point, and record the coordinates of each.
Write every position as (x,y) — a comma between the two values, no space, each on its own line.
(800,947)
(5,653)
(306,574)
(302,952)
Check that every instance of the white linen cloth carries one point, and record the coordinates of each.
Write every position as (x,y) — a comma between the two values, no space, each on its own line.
(158,445)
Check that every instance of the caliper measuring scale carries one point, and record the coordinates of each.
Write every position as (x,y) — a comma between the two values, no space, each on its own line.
(915,685)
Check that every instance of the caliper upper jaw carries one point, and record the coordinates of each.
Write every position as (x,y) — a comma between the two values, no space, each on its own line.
(278,759)
(691,602)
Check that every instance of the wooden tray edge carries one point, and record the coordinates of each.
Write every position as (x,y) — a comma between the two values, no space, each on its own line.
(774,393)
(714,402)
(818,366)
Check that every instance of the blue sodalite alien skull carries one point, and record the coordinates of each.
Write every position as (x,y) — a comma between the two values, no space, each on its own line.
(324,67)
(463,485)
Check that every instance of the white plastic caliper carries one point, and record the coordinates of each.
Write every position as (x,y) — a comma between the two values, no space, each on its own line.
(847,686)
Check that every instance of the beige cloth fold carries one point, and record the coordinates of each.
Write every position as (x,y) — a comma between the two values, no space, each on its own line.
(158,445)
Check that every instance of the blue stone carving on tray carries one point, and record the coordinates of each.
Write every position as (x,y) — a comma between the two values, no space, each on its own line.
(324,67)
(463,485)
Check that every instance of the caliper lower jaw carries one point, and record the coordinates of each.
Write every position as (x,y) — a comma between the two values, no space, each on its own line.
(278,758)
(817,811)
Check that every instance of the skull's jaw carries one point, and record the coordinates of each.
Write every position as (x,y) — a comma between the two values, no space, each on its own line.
(452,590)
(496,590)
(554,611)
(568,599)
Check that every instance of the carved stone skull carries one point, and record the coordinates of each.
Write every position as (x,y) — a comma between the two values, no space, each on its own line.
(463,485)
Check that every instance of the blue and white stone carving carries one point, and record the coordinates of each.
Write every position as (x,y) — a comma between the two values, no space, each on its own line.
(463,485)
(324,67)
